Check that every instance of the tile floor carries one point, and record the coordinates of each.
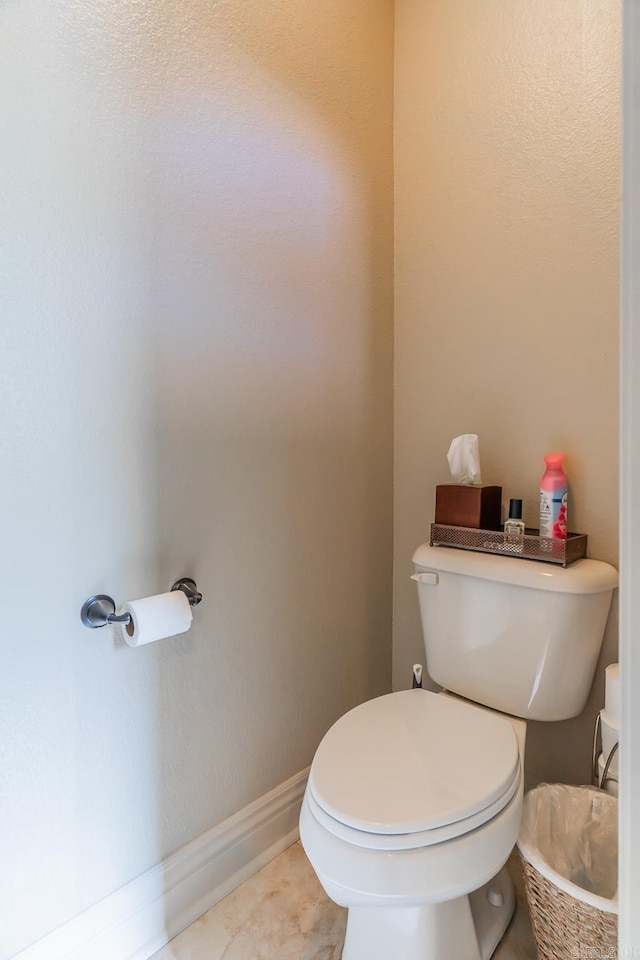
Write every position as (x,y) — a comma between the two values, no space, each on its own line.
(282,913)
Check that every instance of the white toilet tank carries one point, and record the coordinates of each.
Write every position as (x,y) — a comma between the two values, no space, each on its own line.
(520,636)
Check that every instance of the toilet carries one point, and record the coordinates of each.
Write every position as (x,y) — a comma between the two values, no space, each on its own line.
(414,799)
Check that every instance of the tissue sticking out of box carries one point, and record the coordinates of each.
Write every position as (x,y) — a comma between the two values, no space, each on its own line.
(464,459)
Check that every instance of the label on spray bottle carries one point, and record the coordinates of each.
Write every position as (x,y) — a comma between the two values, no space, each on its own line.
(553,513)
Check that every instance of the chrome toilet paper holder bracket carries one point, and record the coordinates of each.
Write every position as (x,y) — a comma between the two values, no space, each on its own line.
(100,610)
(595,755)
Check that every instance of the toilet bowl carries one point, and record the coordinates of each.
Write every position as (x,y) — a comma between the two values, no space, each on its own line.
(413,803)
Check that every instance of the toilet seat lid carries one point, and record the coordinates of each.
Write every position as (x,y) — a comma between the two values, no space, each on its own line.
(411,761)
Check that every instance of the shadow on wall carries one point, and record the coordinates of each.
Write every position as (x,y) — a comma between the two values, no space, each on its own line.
(274,446)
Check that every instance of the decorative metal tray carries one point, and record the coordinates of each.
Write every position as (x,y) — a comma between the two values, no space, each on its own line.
(533,547)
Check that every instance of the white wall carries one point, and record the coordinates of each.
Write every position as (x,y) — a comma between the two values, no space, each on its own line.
(506,303)
(196,368)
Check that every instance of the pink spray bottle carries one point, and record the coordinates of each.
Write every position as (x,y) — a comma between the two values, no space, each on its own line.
(554,494)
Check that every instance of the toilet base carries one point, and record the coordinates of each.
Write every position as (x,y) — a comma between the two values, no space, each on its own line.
(468,928)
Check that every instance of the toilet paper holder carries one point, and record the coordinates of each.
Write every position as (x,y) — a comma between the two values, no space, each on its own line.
(100,610)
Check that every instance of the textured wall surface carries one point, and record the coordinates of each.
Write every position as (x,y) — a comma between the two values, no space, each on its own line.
(197,378)
(507,224)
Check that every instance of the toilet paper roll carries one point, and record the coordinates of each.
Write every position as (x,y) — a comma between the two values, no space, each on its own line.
(612,692)
(154,618)
(610,733)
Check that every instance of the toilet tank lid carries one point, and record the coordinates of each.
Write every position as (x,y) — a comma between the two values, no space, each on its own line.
(582,577)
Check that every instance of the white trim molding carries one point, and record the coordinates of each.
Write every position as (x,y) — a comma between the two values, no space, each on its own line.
(136,921)
(629,786)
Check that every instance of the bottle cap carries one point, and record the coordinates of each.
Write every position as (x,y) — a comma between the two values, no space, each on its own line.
(554,460)
(515,509)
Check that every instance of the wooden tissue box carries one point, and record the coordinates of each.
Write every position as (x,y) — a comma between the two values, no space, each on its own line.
(463,505)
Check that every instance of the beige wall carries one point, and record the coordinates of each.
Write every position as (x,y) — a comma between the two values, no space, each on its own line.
(507,189)
(196,352)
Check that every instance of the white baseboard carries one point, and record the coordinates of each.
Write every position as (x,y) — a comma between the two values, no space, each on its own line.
(140,918)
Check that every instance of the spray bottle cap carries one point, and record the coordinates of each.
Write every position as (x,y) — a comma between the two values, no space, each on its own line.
(515,509)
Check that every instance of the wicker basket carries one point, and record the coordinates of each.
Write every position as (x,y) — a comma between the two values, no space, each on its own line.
(569,923)
(566,928)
